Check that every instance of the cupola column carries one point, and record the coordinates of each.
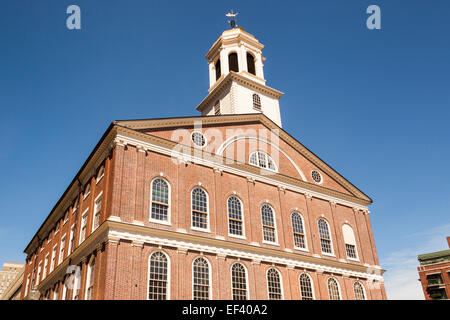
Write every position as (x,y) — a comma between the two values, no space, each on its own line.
(242,58)
(212,74)
(224,62)
(259,66)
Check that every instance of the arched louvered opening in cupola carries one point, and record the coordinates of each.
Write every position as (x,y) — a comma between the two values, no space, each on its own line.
(251,64)
(233,62)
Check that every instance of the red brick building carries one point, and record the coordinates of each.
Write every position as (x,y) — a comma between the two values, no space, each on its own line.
(226,205)
(434,273)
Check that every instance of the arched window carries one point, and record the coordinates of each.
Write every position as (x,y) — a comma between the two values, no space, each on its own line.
(333,289)
(324,234)
(251,64)
(359,291)
(235,223)
(239,282)
(233,62)
(100,174)
(350,242)
(306,290)
(218,70)
(199,209)
(90,279)
(160,200)
(87,190)
(268,223)
(256,102)
(297,228)
(200,279)
(262,160)
(274,284)
(158,277)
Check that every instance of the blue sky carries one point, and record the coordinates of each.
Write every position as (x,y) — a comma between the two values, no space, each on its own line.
(373,104)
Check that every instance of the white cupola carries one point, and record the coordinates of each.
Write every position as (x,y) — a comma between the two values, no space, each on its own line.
(236,78)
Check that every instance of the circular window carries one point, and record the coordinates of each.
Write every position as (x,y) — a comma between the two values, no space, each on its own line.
(317,177)
(198,139)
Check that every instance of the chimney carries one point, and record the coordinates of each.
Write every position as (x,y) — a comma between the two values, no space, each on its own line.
(448,241)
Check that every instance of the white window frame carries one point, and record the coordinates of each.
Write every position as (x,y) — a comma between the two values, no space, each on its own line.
(312,285)
(304,232)
(242,219)
(331,238)
(207,229)
(168,273)
(87,193)
(100,176)
(275,243)
(267,157)
(95,211)
(71,239)
(44,271)
(281,282)
(363,289)
(338,285)
(209,275)
(62,249)
(352,244)
(247,291)
(204,137)
(53,258)
(88,277)
(84,217)
(169,199)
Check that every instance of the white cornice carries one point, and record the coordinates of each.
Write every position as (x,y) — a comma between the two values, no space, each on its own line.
(223,251)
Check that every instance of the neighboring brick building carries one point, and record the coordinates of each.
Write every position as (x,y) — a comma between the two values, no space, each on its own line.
(220,206)
(434,273)
(14,288)
(9,274)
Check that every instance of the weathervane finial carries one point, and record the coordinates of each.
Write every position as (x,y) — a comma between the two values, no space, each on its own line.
(232,15)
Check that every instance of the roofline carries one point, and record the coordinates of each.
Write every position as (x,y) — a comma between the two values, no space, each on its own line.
(74,180)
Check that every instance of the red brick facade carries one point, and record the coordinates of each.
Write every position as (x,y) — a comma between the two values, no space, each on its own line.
(434,273)
(126,237)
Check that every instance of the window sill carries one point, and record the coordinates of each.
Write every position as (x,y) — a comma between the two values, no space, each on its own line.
(201,229)
(301,249)
(87,195)
(328,254)
(271,243)
(237,236)
(353,259)
(167,223)
(99,179)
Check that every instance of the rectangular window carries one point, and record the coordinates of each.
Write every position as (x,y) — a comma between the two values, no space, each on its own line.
(72,239)
(83,226)
(62,249)
(97,209)
(351,251)
(434,280)
(66,217)
(44,272)
(299,240)
(39,273)
(326,245)
(52,264)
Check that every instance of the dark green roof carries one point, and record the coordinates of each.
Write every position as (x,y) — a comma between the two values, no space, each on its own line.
(434,257)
